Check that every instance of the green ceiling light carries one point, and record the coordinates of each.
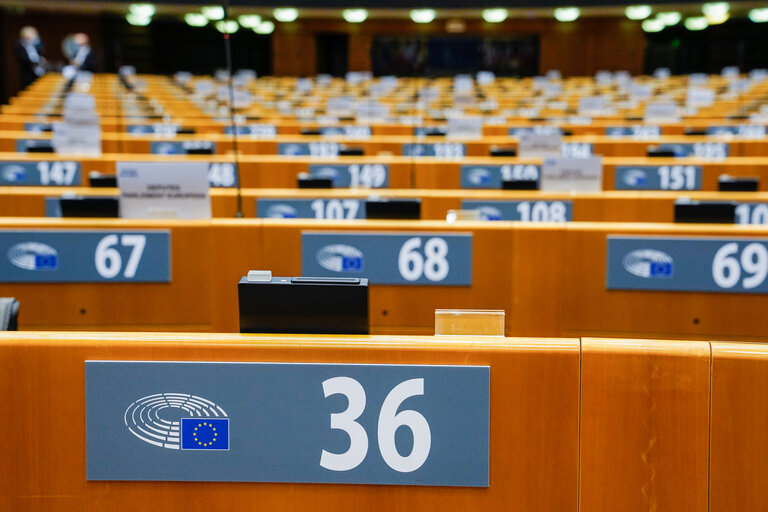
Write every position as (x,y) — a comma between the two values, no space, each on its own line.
(285,14)
(138,21)
(213,12)
(669,18)
(227,26)
(495,15)
(142,10)
(638,12)
(195,19)
(653,25)
(566,14)
(249,20)
(696,23)
(264,28)
(716,12)
(759,15)
(423,15)
(355,15)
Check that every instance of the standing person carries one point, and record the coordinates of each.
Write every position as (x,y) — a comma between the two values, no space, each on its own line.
(83,59)
(28,53)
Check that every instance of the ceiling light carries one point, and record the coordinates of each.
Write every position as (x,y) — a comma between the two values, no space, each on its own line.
(653,25)
(142,10)
(495,15)
(567,13)
(249,20)
(638,12)
(759,15)
(669,18)
(696,23)
(423,15)
(227,26)
(137,21)
(264,28)
(213,12)
(355,15)
(195,19)
(285,14)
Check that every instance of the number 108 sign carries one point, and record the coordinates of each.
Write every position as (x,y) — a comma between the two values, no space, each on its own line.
(390,258)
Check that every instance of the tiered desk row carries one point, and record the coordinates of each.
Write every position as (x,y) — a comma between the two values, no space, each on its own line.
(575,274)
(574,424)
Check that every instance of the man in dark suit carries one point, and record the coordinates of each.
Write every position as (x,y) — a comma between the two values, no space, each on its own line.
(28,53)
(83,59)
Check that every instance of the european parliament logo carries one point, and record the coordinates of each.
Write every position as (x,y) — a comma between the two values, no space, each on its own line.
(340,258)
(178,421)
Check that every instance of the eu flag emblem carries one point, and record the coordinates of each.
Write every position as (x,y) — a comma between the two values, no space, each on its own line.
(205,433)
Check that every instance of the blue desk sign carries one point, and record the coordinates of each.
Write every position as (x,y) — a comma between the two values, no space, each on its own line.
(346,131)
(256,131)
(423,131)
(524,211)
(166,130)
(389,258)
(222,175)
(516,131)
(640,131)
(657,177)
(48,173)
(353,175)
(492,176)
(176,147)
(288,422)
(38,127)
(324,149)
(752,213)
(52,207)
(24,145)
(437,149)
(708,150)
(687,264)
(58,256)
(315,208)
(741,131)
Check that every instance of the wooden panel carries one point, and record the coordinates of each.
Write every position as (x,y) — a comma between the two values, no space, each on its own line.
(644,425)
(534,423)
(739,447)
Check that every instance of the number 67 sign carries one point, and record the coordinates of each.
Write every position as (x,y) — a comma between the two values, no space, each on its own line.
(434,259)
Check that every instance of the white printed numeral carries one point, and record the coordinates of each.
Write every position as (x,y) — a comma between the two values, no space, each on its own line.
(367,175)
(58,173)
(542,211)
(389,422)
(432,264)
(221,175)
(748,214)
(677,177)
(519,172)
(335,208)
(726,270)
(108,260)
(323,149)
(449,150)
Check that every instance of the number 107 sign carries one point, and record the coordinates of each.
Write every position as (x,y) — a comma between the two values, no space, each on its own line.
(390,258)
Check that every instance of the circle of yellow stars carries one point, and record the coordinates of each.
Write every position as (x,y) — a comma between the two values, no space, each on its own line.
(213,429)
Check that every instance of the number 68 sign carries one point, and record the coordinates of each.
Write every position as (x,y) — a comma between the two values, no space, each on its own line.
(434,259)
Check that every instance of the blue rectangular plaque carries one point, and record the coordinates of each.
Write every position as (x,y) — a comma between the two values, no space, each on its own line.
(389,258)
(288,422)
(735,265)
(657,177)
(492,176)
(369,175)
(436,149)
(56,173)
(525,211)
(314,208)
(68,256)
